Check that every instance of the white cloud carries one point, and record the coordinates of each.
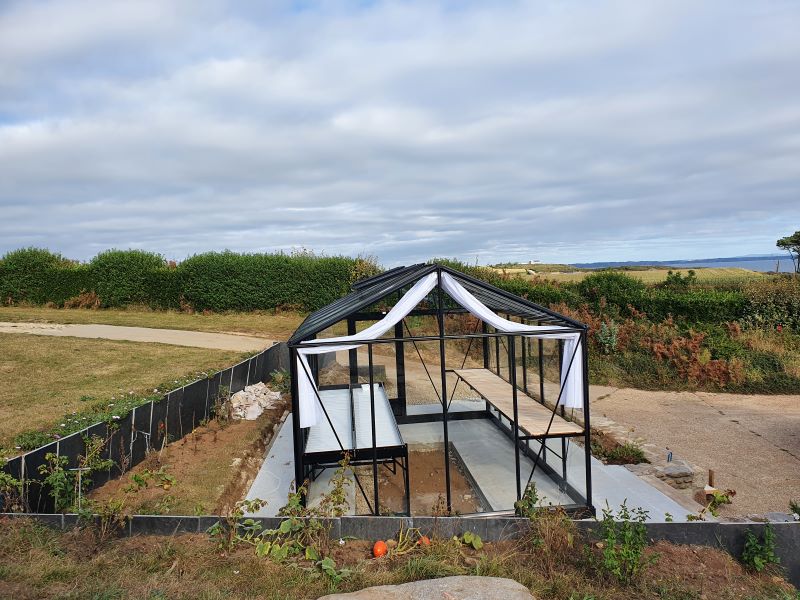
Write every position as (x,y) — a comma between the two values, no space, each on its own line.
(564,131)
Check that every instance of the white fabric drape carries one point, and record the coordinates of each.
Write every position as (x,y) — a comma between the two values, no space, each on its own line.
(310,410)
(572,382)
(571,376)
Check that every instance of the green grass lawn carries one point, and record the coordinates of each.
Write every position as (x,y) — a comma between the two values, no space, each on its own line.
(42,378)
(276,326)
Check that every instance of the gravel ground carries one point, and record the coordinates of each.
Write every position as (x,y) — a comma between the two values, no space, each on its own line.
(751,442)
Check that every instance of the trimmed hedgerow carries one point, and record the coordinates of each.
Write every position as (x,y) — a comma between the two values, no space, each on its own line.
(121,277)
(221,281)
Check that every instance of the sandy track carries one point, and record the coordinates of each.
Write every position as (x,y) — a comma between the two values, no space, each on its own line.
(176,337)
(751,441)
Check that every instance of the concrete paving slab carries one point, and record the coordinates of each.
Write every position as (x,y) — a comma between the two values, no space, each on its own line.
(274,479)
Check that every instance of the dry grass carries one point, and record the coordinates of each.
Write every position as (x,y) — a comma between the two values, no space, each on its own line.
(277,326)
(38,563)
(43,378)
(704,275)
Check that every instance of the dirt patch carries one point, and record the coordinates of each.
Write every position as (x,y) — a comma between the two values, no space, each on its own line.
(427,482)
(606,448)
(207,471)
(705,570)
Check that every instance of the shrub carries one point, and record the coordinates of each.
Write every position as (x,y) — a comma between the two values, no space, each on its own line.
(24,274)
(758,555)
(624,542)
(772,302)
(612,287)
(221,281)
(124,277)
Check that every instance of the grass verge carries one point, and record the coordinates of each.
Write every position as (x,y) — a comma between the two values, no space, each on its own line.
(39,563)
(47,382)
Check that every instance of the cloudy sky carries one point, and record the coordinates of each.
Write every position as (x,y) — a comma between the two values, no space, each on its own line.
(488,131)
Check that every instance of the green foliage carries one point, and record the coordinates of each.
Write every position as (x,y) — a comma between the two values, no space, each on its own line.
(773,302)
(794,508)
(607,337)
(37,275)
(791,244)
(611,287)
(11,497)
(473,540)
(624,542)
(676,281)
(758,554)
(222,281)
(281,381)
(303,534)
(122,277)
(528,505)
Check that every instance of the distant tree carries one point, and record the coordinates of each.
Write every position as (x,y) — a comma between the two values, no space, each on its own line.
(792,245)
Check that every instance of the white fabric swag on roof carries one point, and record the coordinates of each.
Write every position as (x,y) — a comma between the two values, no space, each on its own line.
(571,376)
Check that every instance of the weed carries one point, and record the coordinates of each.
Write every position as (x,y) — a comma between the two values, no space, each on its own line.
(11,497)
(794,508)
(528,505)
(471,539)
(624,541)
(280,380)
(757,554)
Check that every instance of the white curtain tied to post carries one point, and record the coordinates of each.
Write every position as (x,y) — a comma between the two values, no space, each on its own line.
(571,372)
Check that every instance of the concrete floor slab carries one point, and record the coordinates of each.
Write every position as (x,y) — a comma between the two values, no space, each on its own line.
(274,479)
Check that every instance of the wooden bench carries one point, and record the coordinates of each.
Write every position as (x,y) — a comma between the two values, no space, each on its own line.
(533,416)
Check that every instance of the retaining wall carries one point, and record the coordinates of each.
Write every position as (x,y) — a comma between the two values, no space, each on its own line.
(726,536)
(129,438)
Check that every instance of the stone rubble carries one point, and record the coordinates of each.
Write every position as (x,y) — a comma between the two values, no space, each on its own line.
(253,400)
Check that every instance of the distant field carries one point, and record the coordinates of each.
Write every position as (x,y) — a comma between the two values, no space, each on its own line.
(654,275)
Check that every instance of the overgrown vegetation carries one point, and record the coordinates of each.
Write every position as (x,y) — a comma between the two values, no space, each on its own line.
(758,553)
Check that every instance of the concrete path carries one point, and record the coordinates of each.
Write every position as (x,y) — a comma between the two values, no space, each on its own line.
(489,456)
(176,337)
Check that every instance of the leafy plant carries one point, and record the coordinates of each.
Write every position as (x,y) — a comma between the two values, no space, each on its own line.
(794,508)
(528,505)
(624,542)
(468,538)
(280,380)
(758,554)
(607,337)
(11,496)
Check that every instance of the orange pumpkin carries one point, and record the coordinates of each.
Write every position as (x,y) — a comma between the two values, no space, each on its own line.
(424,540)
(379,549)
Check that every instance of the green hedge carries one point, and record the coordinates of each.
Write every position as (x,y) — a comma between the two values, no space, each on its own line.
(217,281)
(223,281)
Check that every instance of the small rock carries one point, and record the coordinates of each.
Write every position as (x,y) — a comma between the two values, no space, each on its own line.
(677,471)
(461,587)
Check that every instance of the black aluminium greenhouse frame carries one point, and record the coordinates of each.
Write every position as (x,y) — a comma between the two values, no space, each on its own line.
(359,306)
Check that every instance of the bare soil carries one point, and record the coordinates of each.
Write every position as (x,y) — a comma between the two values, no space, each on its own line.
(213,467)
(427,486)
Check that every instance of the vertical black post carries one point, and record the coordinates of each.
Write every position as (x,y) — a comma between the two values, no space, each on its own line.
(374,439)
(352,354)
(314,364)
(541,370)
(297,433)
(541,391)
(400,369)
(512,372)
(561,373)
(440,315)
(485,342)
(408,484)
(586,423)
(524,343)
(497,354)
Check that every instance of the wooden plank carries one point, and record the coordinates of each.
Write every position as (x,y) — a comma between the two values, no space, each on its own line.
(533,416)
